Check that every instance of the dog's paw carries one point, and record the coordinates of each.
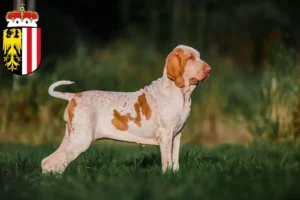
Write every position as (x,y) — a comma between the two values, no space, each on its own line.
(52,164)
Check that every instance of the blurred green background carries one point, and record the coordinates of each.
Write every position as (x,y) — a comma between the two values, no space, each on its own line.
(121,45)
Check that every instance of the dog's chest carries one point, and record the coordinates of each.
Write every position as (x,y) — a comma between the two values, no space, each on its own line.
(174,112)
(183,116)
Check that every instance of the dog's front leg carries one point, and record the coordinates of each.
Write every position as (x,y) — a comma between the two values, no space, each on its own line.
(165,140)
(175,151)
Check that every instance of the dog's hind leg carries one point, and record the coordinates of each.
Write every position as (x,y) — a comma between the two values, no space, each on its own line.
(78,138)
(77,142)
(54,158)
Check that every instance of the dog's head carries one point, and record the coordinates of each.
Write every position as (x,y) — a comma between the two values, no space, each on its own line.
(184,66)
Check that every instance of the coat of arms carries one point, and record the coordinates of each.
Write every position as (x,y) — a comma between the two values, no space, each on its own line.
(22,42)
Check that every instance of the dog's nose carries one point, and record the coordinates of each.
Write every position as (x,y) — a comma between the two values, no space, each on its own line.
(208,69)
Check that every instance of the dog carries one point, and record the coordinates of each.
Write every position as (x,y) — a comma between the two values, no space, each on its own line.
(153,115)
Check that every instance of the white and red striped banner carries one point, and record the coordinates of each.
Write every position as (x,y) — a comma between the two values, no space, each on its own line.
(31,49)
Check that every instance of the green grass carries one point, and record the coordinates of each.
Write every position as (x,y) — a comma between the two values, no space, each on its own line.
(108,171)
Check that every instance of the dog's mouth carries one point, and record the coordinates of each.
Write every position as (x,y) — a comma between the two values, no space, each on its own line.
(194,81)
(205,77)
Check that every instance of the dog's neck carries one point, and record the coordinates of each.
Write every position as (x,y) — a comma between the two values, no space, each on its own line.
(167,85)
(186,90)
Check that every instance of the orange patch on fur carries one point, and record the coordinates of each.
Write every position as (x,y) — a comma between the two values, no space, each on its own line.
(121,121)
(137,119)
(71,108)
(79,94)
(146,110)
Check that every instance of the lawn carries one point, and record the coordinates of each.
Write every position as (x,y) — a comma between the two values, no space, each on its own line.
(117,171)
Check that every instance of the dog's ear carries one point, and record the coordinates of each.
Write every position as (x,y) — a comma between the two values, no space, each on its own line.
(175,64)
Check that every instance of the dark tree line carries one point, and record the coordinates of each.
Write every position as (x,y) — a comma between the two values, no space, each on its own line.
(237,28)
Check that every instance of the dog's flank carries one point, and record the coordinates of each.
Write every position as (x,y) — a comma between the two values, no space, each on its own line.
(141,107)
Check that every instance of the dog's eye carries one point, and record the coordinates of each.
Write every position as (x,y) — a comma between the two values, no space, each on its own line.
(191,58)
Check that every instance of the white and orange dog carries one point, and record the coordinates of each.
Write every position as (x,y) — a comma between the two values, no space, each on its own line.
(153,115)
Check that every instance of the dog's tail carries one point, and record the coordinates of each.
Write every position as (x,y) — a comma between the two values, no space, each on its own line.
(61,95)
